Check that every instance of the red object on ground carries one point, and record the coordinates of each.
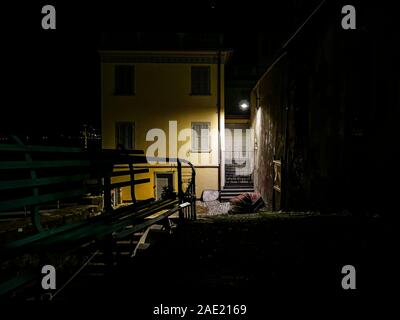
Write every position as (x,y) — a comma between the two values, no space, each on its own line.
(246,203)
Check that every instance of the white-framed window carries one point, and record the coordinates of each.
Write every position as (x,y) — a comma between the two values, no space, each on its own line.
(201,137)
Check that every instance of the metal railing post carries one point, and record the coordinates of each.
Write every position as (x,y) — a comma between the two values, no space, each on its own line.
(180,191)
(194,194)
(107,193)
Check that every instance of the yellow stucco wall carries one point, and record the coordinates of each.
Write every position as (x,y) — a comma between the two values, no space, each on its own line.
(162,94)
(206,178)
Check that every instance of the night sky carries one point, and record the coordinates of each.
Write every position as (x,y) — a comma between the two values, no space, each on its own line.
(51,78)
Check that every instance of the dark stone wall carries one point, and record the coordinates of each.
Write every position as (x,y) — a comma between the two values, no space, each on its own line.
(328,108)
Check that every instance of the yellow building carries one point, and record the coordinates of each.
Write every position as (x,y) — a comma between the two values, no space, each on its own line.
(151,95)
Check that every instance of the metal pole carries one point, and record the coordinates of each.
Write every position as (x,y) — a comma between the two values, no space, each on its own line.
(180,191)
(219,118)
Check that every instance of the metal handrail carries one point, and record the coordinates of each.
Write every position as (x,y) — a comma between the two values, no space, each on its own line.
(187,195)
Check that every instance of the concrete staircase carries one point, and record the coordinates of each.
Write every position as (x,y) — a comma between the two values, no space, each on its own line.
(232,178)
(232,190)
(237,180)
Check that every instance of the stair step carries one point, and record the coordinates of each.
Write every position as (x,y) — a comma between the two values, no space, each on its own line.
(126,244)
(233,194)
(229,196)
(239,185)
(225,199)
(236,175)
(233,188)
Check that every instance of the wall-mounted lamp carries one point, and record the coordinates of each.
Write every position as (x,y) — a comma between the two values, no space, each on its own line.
(244,104)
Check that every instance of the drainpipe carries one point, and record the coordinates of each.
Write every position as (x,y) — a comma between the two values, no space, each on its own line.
(219,118)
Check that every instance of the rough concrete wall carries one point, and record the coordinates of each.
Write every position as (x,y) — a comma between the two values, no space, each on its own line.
(268,122)
(303,92)
(327,89)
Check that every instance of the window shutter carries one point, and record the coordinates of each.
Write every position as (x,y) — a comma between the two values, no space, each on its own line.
(201,136)
(204,146)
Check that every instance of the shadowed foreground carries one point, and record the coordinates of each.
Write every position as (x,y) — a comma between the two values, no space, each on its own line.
(247,258)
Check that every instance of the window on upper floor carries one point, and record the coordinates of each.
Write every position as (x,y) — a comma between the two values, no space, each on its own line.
(200,77)
(124,80)
(125,134)
(201,137)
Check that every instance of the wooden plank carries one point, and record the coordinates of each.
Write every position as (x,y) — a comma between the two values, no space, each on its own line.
(118,152)
(117,159)
(149,222)
(157,204)
(40,199)
(25,183)
(16,148)
(146,204)
(129,159)
(47,235)
(155,215)
(96,227)
(145,224)
(79,231)
(16,282)
(99,229)
(42,164)
(127,172)
(129,183)
(141,214)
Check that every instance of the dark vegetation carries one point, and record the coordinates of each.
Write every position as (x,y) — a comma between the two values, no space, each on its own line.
(252,257)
